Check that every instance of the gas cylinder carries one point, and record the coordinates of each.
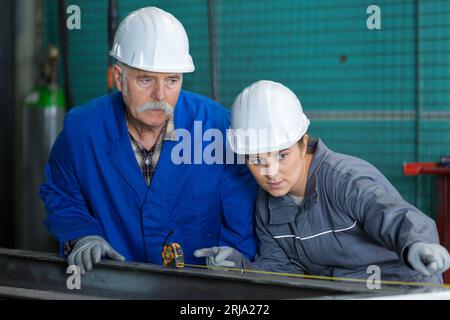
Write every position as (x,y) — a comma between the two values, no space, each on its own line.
(43,116)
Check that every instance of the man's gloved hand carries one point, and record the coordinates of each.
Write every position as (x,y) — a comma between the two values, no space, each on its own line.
(89,251)
(428,258)
(222,257)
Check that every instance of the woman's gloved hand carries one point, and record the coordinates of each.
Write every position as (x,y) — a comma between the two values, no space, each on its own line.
(222,257)
(428,258)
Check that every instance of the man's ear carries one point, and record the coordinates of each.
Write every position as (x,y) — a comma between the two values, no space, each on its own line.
(117,76)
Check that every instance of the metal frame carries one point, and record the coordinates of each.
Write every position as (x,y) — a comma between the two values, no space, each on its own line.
(442,198)
(34,275)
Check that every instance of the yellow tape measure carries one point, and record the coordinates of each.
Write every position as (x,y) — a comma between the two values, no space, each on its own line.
(172,253)
(306,276)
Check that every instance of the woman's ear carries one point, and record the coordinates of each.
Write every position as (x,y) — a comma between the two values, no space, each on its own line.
(304,144)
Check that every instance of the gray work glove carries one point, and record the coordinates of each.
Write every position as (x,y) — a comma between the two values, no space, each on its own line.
(428,258)
(89,251)
(222,257)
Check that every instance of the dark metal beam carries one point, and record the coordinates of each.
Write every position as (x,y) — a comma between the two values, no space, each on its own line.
(34,275)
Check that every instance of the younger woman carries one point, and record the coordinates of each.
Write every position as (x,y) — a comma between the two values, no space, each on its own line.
(320,212)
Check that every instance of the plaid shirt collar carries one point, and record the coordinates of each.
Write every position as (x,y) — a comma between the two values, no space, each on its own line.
(148,159)
(168,132)
(169,135)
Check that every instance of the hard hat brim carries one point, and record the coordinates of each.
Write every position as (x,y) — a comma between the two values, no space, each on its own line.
(187,69)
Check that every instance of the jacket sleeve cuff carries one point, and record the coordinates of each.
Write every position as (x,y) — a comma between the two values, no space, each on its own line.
(68,246)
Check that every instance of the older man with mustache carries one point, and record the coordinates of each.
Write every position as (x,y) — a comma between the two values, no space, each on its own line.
(112,188)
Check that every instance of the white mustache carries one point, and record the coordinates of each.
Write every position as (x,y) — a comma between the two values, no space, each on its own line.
(156,105)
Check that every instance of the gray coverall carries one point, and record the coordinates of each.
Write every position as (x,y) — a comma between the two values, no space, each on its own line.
(351,218)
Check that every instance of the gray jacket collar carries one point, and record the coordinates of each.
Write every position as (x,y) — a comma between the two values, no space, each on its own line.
(283,209)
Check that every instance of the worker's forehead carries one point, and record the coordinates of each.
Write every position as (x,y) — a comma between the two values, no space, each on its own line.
(162,75)
(268,154)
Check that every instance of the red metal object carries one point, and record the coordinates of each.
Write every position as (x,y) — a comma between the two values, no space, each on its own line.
(442,198)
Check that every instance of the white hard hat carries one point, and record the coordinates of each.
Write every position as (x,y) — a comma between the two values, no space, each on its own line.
(153,40)
(266,117)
